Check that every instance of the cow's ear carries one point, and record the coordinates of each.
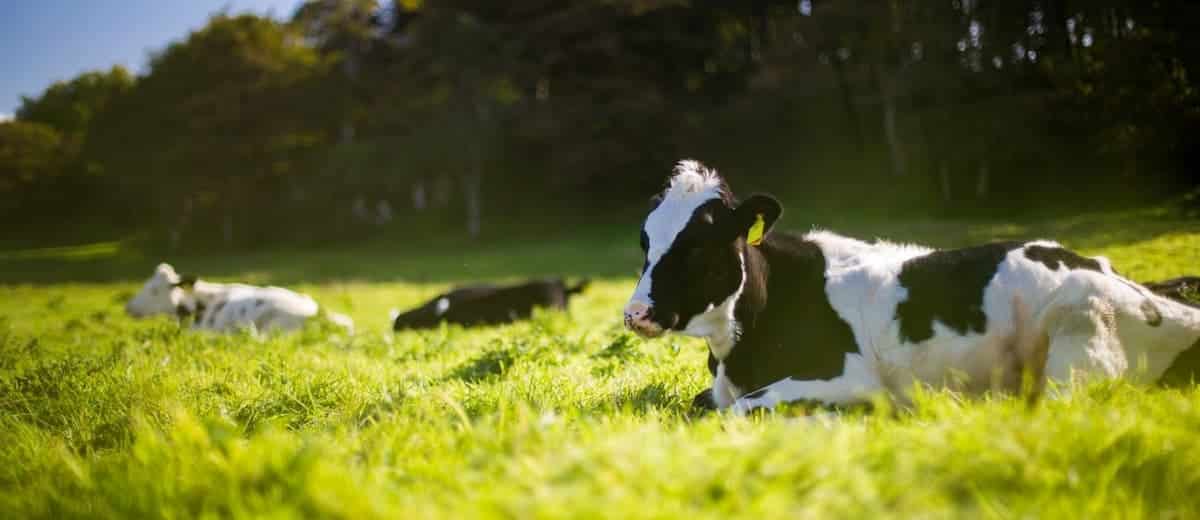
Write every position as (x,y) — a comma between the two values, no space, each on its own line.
(186,281)
(756,216)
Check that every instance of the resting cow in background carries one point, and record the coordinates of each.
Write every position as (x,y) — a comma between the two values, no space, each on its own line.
(830,319)
(225,307)
(488,304)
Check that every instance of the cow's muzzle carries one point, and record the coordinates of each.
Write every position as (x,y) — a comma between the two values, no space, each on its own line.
(639,317)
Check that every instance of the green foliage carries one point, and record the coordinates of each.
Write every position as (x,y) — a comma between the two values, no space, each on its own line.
(566,415)
(222,115)
(29,154)
(70,106)
(437,109)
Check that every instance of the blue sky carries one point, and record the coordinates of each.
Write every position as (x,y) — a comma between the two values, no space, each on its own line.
(43,41)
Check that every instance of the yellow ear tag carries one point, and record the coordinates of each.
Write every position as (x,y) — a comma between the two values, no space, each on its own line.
(756,231)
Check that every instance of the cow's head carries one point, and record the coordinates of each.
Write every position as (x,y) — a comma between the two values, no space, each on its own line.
(163,293)
(694,240)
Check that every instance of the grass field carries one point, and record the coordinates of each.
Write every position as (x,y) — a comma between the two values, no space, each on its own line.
(566,415)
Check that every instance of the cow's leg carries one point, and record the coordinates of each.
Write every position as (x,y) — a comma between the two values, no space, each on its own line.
(1083,342)
(856,385)
(704,401)
(1100,327)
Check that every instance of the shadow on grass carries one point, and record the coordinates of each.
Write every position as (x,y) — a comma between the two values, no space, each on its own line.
(597,251)
(490,364)
(654,396)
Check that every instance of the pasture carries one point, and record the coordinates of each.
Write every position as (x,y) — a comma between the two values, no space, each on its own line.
(566,415)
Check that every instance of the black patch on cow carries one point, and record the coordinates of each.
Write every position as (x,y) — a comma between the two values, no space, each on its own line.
(489,304)
(1056,257)
(211,318)
(1151,312)
(182,312)
(704,401)
(712,364)
(755,394)
(1184,369)
(258,302)
(700,268)
(789,328)
(948,286)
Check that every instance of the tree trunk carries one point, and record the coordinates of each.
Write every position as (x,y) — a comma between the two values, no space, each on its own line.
(839,70)
(944,176)
(227,228)
(230,207)
(981,182)
(887,91)
(472,182)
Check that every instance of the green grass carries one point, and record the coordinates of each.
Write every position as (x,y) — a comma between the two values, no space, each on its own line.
(565,415)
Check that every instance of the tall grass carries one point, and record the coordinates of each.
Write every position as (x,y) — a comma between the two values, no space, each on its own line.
(565,415)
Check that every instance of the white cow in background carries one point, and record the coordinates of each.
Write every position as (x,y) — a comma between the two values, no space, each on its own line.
(225,307)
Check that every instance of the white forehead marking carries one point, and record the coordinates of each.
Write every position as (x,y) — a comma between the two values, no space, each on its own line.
(691,186)
(443,305)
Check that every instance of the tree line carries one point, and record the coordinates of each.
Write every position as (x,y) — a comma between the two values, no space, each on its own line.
(351,115)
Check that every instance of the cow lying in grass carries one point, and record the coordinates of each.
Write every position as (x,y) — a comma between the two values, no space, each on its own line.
(225,307)
(826,318)
(489,304)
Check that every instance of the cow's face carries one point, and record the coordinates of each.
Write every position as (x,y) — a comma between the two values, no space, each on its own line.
(693,240)
(163,293)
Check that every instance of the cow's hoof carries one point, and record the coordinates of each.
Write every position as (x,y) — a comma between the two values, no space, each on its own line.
(704,402)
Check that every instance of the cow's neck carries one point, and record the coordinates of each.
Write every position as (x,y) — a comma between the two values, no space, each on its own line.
(207,291)
(725,323)
(198,298)
(754,286)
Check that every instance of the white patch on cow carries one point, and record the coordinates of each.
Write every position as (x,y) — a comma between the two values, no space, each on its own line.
(227,307)
(717,324)
(341,320)
(159,295)
(690,187)
(442,305)
(1092,323)
(724,392)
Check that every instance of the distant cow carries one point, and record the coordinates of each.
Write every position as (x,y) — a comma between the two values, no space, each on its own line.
(826,318)
(489,304)
(225,307)
(1185,289)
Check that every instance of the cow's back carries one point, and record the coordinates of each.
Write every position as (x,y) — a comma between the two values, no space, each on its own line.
(238,306)
(965,318)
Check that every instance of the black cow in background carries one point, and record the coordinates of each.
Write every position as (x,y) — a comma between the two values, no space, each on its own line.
(1185,289)
(489,304)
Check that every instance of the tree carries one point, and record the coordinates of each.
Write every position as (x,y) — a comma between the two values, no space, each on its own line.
(30,156)
(219,121)
(71,106)
(29,153)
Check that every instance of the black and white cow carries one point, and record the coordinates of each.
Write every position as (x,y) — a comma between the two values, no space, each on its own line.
(489,304)
(225,307)
(826,318)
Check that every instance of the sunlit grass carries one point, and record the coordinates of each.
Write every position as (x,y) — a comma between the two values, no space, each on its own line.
(565,415)
(86,251)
